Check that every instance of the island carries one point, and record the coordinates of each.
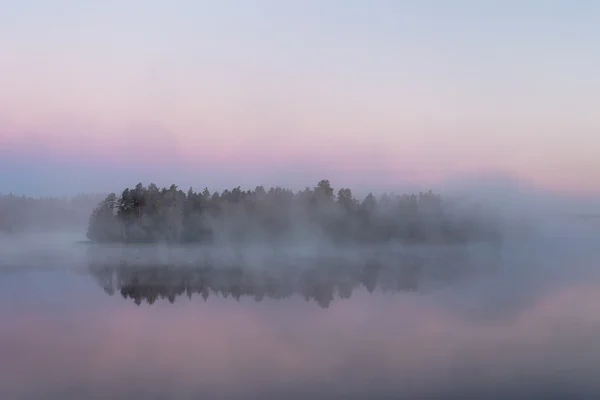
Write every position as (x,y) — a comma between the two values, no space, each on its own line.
(147,214)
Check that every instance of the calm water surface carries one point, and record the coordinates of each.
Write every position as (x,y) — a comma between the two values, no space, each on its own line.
(77,323)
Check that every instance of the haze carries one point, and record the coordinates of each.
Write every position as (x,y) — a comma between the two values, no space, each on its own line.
(98,95)
(357,282)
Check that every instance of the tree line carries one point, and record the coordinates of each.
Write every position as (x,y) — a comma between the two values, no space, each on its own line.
(23,213)
(150,214)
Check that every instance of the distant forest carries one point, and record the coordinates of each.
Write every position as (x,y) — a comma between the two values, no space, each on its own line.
(24,214)
(278,215)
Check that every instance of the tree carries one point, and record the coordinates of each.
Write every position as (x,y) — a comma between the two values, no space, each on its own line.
(369,204)
(103,225)
(151,214)
(346,200)
(324,190)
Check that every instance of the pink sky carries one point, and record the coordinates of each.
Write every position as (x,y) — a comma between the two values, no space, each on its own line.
(269,91)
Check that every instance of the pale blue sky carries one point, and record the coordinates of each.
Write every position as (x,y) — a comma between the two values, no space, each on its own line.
(405,88)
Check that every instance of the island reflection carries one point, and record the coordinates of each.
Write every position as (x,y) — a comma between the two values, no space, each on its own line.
(316,278)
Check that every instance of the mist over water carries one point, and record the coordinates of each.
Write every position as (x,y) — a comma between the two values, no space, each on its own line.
(299,200)
(512,318)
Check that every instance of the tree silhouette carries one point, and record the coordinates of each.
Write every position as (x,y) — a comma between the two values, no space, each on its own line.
(150,214)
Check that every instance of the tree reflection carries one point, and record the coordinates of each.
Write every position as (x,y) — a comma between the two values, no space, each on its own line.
(316,279)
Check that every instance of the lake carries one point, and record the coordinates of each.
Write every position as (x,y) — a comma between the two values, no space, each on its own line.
(95,322)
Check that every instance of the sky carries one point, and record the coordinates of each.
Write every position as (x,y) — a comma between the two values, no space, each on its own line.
(99,95)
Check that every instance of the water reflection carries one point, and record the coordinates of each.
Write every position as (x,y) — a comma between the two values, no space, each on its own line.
(369,346)
(318,279)
(405,340)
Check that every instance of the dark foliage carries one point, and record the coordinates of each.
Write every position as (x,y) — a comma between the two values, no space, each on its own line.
(278,215)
